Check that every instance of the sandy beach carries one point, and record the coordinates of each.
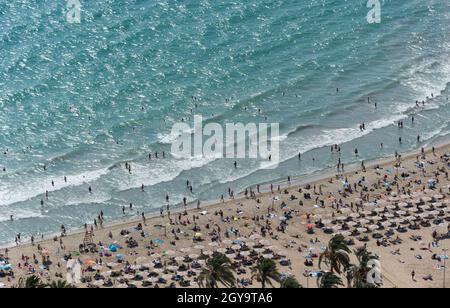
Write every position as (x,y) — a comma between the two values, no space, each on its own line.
(392,207)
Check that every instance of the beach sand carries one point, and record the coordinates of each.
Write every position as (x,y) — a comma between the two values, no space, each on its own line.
(397,261)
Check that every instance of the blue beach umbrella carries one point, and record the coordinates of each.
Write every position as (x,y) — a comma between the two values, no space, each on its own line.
(6,267)
(120,257)
(158,241)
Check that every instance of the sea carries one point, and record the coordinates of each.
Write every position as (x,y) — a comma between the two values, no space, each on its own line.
(80,98)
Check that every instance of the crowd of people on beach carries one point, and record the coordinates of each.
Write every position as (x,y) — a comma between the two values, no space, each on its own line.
(378,205)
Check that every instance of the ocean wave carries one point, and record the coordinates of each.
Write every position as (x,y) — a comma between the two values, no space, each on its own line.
(24,191)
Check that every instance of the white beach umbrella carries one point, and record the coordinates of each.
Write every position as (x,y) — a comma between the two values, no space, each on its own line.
(265,242)
(250,244)
(345,233)
(152,279)
(438,205)
(352,224)
(386,223)
(179,259)
(337,228)
(381,202)
(167,277)
(172,268)
(221,250)
(364,221)
(208,253)
(255,236)
(373,227)
(424,215)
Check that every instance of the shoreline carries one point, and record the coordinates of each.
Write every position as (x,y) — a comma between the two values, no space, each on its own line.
(296,182)
(261,217)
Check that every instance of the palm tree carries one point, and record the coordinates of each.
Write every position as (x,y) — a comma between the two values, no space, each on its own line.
(265,271)
(32,282)
(329,281)
(290,283)
(336,255)
(357,274)
(218,270)
(61,284)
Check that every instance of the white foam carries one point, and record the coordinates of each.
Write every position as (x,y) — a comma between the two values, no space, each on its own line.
(165,171)
(425,79)
(20,214)
(172,136)
(29,188)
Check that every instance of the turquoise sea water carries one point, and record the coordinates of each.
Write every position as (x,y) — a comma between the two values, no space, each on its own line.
(87,97)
